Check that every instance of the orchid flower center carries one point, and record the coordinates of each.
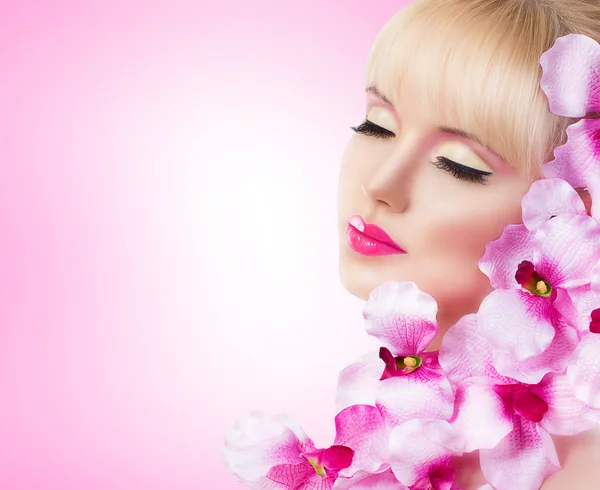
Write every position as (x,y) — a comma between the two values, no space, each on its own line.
(595,323)
(335,458)
(522,401)
(398,365)
(442,478)
(531,281)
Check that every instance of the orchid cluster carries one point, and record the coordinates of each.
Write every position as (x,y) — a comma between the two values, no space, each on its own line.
(524,367)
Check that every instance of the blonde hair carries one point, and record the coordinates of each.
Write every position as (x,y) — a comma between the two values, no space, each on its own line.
(475,64)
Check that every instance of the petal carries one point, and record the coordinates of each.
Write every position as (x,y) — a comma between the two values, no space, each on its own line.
(299,476)
(481,417)
(579,306)
(516,322)
(596,277)
(337,457)
(571,75)
(362,428)
(547,198)
(502,256)
(566,414)
(583,371)
(424,393)
(388,359)
(358,382)
(523,459)
(259,442)
(577,160)
(402,317)
(465,352)
(367,481)
(567,248)
(594,189)
(553,360)
(437,443)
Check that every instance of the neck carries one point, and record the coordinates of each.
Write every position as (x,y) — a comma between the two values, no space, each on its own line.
(578,446)
(445,320)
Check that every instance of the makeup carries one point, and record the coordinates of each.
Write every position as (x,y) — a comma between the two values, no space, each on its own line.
(369,239)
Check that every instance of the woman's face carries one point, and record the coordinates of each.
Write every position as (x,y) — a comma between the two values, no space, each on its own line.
(439,195)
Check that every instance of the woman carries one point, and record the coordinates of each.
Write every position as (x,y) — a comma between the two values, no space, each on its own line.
(457,129)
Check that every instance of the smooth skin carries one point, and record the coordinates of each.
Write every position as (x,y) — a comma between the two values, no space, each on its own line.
(443,222)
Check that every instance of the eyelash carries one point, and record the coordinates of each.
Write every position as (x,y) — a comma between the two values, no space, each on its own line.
(461,172)
(371,129)
(455,169)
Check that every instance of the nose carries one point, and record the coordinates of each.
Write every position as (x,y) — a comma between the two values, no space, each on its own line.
(390,182)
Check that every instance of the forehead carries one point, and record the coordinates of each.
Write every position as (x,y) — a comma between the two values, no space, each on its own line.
(461,72)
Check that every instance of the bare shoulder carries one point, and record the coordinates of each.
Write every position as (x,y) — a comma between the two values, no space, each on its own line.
(580,460)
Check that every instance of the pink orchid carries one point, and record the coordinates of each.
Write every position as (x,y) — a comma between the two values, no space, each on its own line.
(547,198)
(427,464)
(402,380)
(509,421)
(578,160)
(595,321)
(274,452)
(543,296)
(583,371)
(367,481)
(596,278)
(571,75)
(571,81)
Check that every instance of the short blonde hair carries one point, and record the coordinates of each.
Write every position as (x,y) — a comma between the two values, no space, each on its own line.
(482,58)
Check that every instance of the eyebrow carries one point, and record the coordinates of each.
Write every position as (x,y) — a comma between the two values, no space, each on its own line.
(375,91)
(444,129)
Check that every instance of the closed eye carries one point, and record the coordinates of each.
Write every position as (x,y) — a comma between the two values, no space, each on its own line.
(457,170)
(371,129)
(461,172)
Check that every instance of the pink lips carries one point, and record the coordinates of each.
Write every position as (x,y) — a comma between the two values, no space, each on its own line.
(369,239)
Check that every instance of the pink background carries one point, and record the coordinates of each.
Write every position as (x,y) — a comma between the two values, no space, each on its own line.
(169,244)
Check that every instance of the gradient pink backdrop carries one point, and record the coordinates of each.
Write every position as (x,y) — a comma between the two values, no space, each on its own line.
(169,245)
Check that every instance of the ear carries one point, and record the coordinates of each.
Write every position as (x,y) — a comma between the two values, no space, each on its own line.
(586,198)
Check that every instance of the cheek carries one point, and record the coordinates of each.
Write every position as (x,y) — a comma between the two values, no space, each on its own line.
(464,216)
(455,239)
(465,230)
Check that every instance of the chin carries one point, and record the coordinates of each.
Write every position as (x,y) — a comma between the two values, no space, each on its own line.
(455,298)
(356,288)
(356,279)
